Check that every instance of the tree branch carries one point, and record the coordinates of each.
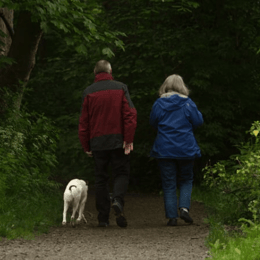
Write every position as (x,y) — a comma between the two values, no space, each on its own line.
(9,28)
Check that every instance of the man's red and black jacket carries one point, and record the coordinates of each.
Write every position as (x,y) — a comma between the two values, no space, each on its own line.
(108,116)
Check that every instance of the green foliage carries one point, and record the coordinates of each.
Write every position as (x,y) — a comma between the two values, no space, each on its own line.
(76,22)
(245,246)
(3,187)
(205,46)
(4,61)
(28,144)
(214,49)
(238,177)
(26,218)
(60,83)
(218,236)
(225,241)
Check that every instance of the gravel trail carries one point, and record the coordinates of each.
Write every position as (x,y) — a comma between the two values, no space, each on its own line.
(146,237)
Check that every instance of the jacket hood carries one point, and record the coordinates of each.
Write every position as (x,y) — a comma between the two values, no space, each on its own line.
(172,101)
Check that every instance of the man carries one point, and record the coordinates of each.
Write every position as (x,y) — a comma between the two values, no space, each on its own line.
(106,131)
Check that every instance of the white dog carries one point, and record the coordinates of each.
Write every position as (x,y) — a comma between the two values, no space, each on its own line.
(75,194)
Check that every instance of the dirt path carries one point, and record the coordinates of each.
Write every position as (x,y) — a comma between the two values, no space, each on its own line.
(146,237)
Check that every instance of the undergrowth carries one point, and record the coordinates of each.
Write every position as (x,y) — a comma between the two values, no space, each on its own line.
(228,237)
(29,200)
(231,194)
(27,218)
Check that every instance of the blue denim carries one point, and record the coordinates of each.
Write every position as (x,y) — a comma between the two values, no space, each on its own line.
(173,173)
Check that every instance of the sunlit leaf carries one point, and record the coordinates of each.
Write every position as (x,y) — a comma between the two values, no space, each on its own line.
(255,132)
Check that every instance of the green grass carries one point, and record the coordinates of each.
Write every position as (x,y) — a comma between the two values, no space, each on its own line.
(223,208)
(243,245)
(27,217)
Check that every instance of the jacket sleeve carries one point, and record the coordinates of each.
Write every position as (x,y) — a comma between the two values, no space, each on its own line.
(154,116)
(129,114)
(193,114)
(84,132)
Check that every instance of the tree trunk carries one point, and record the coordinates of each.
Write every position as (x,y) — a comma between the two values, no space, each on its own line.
(6,20)
(23,50)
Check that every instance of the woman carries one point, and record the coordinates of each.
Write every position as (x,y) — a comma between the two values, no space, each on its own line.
(175,116)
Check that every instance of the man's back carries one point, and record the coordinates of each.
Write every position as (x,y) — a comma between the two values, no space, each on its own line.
(109,115)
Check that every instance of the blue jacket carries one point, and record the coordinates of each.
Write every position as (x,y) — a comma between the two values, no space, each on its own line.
(175,116)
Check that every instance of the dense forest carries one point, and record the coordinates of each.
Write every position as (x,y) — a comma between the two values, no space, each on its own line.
(49,49)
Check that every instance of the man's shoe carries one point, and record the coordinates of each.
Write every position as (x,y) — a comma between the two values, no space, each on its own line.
(120,218)
(117,207)
(103,224)
(121,221)
(172,222)
(184,214)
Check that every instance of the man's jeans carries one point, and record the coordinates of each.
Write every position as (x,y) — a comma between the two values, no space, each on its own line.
(121,170)
(175,172)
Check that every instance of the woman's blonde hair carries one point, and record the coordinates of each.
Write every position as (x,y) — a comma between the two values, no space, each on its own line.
(174,83)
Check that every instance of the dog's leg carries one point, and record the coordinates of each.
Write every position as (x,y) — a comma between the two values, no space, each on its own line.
(81,210)
(84,218)
(75,207)
(66,206)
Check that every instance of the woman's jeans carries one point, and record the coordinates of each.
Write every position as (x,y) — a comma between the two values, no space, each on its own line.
(175,172)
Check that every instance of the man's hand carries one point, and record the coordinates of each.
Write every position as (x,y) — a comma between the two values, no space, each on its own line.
(128,147)
(89,154)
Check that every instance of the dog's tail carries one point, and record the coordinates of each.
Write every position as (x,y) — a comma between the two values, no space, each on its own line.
(72,187)
(74,191)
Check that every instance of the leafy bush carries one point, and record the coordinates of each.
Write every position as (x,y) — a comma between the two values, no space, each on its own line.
(245,246)
(225,241)
(26,217)
(239,177)
(28,145)
(27,160)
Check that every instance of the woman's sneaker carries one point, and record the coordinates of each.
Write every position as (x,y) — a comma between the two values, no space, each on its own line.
(184,214)
(120,218)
